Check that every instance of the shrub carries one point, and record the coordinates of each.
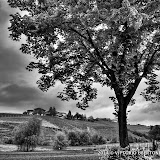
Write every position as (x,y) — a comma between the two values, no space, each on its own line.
(26,135)
(96,139)
(131,139)
(101,140)
(8,141)
(60,141)
(91,119)
(74,137)
(85,138)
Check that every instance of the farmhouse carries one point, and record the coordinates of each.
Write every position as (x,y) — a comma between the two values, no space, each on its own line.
(29,112)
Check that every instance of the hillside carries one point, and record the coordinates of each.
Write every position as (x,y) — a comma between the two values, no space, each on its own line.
(50,125)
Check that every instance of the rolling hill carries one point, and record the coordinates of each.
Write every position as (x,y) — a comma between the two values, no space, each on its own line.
(50,125)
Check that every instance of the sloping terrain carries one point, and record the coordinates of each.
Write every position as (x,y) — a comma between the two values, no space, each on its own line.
(50,125)
(7,124)
(107,129)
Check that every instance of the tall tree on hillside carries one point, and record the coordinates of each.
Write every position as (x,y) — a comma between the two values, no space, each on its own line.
(82,42)
(69,115)
(52,111)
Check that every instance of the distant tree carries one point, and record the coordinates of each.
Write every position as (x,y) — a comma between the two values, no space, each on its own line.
(52,111)
(26,135)
(83,117)
(69,115)
(115,43)
(91,119)
(78,116)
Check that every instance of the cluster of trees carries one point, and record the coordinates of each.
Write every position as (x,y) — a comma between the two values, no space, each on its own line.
(27,136)
(77,137)
(84,137)
(52,111)
(79,116)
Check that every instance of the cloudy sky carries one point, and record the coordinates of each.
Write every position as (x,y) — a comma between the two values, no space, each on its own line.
(19,91)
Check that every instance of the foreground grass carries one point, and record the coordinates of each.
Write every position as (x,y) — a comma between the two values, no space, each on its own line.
(59,155)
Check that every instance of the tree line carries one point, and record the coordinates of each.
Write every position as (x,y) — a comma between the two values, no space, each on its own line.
(53,112)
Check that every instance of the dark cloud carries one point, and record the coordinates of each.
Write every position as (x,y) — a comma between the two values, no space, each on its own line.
(15,94)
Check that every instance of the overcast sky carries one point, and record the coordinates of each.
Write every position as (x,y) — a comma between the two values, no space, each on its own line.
(19,91)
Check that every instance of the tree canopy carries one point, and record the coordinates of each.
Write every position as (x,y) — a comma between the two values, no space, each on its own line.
(82,42)
(79,42)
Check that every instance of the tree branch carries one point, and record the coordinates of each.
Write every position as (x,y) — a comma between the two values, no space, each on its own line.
(81,35)
(97,51)
(148,63)
(138,80)
(133,90)
(102,67)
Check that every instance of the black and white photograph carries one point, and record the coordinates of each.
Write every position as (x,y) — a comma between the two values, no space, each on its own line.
(79,79)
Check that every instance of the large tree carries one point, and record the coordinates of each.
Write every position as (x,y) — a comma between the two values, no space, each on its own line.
(82,42)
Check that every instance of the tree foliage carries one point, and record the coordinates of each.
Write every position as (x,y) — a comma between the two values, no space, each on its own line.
(69,115)
(83,137)
(26,135)
(52,111)
(79,42)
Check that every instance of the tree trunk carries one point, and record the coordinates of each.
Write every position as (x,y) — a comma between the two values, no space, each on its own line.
(122,123)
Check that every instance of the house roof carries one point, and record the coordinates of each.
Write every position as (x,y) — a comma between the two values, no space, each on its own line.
(29,110)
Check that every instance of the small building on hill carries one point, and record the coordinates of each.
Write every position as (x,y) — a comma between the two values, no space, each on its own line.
(29,112)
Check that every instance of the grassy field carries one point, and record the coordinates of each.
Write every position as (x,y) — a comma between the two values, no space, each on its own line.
(58,155)
(71,153)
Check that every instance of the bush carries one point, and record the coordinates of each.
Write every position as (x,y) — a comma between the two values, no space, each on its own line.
(8,141)
(84,137)
(26,135)
(96,139)
(101,140)
(60,141)
(74,137)
(131,139)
